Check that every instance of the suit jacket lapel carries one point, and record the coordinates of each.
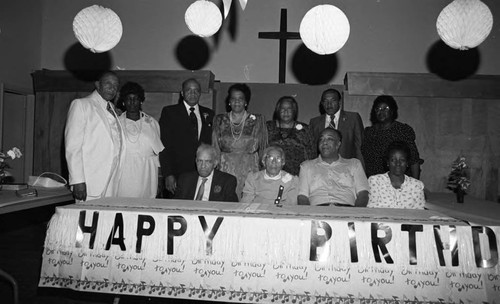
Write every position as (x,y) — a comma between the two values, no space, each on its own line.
(100,111)
(183,117)
(342,120)
(191,189)
(215,182)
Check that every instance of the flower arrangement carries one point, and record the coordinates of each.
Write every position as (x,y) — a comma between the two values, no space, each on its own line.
(12,154)
(458,179)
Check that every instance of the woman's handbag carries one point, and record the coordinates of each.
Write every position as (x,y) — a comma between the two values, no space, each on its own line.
(44,181)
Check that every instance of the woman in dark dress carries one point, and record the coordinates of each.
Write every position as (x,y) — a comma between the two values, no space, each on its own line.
(292,136)
(385,130)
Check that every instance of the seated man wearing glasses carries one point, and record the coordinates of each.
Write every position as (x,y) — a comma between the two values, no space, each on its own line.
(331,179)
(271,185)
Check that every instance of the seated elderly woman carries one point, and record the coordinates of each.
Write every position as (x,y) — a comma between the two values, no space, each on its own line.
(271,185)
(394,189)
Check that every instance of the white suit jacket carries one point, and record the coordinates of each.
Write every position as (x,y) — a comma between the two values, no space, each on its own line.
(89,146)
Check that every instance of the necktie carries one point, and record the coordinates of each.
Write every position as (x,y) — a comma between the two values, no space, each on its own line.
(332,122)
(194,121)
(110,110)
(201,189)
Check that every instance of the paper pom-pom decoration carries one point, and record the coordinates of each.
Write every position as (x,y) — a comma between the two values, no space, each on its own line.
(464,24)
(203,18)
(98,29)
(324,29)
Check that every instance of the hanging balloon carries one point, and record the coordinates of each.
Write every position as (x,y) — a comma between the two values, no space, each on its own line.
(324,29)
(464,24)
(98,29)
(203,18)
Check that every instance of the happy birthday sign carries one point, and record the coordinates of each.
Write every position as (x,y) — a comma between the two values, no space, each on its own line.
(237,257)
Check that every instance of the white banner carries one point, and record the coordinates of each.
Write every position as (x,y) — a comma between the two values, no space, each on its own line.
(252,258)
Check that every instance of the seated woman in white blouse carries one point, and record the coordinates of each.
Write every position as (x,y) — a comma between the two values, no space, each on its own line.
(394,189)
(271,185)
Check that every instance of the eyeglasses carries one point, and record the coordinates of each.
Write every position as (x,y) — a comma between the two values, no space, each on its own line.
(382,109)
(276,159)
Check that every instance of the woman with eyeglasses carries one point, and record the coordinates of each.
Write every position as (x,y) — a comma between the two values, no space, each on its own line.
(291,135)
(272,185)
(386,129)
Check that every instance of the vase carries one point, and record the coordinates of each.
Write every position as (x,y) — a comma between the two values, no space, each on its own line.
(460,196)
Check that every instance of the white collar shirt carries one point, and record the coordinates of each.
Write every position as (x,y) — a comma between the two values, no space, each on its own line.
(336,118)
(208,185)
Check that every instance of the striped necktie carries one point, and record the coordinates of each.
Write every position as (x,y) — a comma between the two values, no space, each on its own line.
(332,122)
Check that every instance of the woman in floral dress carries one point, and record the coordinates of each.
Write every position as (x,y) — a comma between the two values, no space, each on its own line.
(240,136)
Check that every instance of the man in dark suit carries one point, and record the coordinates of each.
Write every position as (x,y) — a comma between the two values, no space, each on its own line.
(207,184)
(183,127)
(348,123)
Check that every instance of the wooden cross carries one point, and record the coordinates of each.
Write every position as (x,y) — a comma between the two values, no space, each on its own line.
(282,36)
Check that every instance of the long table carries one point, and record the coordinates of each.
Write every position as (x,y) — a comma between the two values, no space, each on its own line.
(261,253)
(10,202)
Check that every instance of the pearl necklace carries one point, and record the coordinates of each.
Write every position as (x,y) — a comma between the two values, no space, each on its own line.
(130,129)
(234,125)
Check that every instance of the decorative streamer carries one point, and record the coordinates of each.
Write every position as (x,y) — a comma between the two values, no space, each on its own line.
(227,6)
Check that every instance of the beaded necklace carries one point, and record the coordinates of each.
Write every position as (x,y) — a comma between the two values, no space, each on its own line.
(130,129)
(233,126)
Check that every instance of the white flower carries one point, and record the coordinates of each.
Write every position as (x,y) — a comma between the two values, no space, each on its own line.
(252,116)
(299,127)
(286,177)
(14,153)
(11,154)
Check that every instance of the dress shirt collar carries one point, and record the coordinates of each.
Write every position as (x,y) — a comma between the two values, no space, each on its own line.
(403,185)
(196,108)
(322,162)
(209,178)
(336,118)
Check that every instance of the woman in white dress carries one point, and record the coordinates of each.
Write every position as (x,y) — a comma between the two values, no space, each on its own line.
(138,172)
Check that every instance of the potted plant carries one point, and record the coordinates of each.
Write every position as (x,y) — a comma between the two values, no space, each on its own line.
(458,179)
(12,154)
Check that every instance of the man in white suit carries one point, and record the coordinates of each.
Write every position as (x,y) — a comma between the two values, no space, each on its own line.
(93,139)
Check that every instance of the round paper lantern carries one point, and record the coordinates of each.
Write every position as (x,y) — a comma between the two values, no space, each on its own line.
(464,24)
(324,29)
(98,29)
(203,18)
